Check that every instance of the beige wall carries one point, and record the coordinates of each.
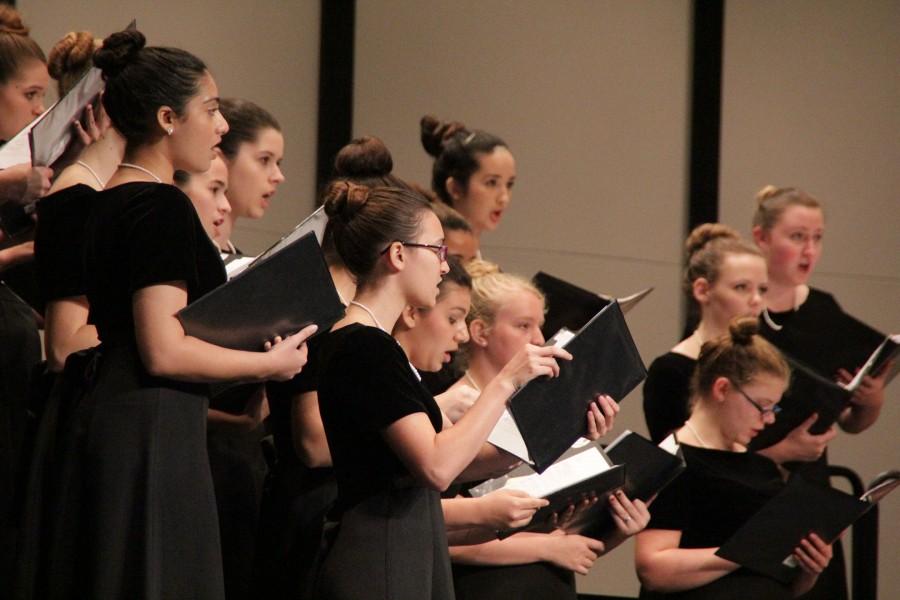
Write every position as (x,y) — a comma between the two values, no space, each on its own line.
(811,98)
(592,99)
(266,51)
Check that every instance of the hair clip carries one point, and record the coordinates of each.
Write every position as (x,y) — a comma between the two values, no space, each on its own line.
(469,138)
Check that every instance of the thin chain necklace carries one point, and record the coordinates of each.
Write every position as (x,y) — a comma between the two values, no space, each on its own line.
(696,435)
(142,169)
(370,313)
(472,381)
(92,172)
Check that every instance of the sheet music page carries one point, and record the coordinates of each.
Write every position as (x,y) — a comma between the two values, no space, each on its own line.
(506,436)
(562,474)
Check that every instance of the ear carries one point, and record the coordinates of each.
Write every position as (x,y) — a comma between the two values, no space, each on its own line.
(409,317)
(166,118)
(720,388)
(760,237)
(700,290)
(394,257)
(454,189)
(478,333)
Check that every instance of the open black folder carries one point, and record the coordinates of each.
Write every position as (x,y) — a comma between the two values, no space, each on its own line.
(279,295)
(548,415)
(583,472)
(765,543)
(571,307)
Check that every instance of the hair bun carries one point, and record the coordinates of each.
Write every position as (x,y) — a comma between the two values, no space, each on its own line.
(71,54)
(344,199)
(742,330)
(118,51)
(481,268)
(363,157)
(769,191)
(435,133)
(11,21)
(706,233)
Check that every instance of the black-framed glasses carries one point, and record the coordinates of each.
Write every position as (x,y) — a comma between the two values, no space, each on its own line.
(772,410)
(439,249)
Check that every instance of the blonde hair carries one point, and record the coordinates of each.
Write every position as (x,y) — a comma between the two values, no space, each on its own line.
(739,356)
(70,58)
(491,287)
(771,202)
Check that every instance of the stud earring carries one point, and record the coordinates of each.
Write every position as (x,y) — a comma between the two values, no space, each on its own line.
(169,130)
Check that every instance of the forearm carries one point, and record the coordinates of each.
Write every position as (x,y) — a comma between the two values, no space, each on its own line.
(237,423)
(518,549)
(61,344)
(679,569)
(857,418)
(463,513)
(190,359)
(804,582)
(470,536)
(308,431)
(489,463)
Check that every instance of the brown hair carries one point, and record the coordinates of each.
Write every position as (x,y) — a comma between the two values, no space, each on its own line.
(16,47)
(450,219)
(772,201)
(739,356)
(364,221)
(706,248)
(245,121)
(70,58)
(456,274)
(455,150)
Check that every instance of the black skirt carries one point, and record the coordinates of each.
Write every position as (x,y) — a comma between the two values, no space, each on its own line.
(133,512)
(391,546)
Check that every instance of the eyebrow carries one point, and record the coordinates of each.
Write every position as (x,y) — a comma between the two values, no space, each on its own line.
(213,99)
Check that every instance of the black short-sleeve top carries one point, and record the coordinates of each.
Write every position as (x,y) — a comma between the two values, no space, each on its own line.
(667,394)
(59,242)
(138,235)
(714,496)
(365,384)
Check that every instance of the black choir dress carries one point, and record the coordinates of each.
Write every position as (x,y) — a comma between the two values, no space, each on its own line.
(297,497)
(386,536)
(59,258)
(136,513)
(667,394)
(805,335)
(535,581)
(716,494)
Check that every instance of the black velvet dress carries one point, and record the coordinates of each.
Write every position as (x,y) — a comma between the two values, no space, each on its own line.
(667,394)
(386,532)
(136,515)
(707,503)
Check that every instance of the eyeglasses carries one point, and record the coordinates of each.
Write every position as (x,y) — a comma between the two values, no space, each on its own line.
(772,410)
(439,249)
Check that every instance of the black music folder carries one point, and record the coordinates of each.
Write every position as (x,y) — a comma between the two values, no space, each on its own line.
(571,307)
(279,295)
(809,392)
(765,542)
(549,414)
(583,472)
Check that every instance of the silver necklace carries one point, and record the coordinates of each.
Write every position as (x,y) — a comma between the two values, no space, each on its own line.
(768,318)
(92,172)
(142,169)
(370,313)
(696,435)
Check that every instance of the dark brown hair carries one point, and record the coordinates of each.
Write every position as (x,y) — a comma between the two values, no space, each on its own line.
(456,275)
(455,150)
(450,219)
(245,121)
(739,356)
(772,201)
(364,221)
(16,47)
(139,80)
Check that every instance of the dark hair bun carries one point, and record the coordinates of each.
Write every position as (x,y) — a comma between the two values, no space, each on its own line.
(364,157)
(71,54)
(344,199)
(118,51)
(742,330)
(436,133)
(11,21)
(706,233)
